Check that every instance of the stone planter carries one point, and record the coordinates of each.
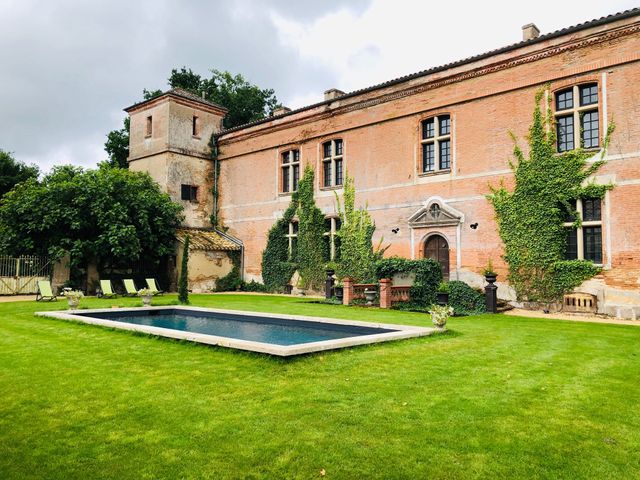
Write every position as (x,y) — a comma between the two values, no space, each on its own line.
(73,302)
(370,296)
(442,298)
(146,300)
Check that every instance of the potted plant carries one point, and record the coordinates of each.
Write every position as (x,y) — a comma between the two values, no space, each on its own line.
(442,294)
(489,273)
(146,295)
(73,298)
(440,314)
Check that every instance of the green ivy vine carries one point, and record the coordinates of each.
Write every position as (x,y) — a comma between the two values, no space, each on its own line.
(530,218)
(277,265)
(428,276)
(357,257)
(215,189)
(310,234)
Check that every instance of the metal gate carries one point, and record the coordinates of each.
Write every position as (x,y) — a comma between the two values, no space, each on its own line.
(20,275)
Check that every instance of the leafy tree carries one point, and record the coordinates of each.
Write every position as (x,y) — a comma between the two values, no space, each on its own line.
(357,257)
(246,102)
(117,146)
(110,215)
(183,283)
(13,172)
(531,217)
(310,234)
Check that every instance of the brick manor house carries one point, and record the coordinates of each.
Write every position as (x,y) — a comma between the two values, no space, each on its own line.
(423,150)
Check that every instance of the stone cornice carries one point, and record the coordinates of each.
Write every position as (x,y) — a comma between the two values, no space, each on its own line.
(514,61)
(180,151)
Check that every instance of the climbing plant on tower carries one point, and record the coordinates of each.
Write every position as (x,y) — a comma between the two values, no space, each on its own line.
(531,217)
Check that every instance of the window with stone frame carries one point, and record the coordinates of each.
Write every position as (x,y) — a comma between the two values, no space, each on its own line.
(436,144)
(331,239)
(584,242)
(289,171)
(292,237)
(332,163)
(576,111)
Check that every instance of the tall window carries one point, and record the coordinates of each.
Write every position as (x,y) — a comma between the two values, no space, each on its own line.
(195,126)
(585,241)
(332,163)
(436,144)
(290,171)
(149,130)
(331,238)
(292,237)
(577,117)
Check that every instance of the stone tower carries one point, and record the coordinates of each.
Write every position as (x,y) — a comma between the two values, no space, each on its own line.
(169,139)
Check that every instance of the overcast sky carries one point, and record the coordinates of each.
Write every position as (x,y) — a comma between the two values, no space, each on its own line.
(69,67)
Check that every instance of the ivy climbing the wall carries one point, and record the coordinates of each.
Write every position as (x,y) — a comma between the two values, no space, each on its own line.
(530,218)
(428,276)
(357,257)
(215,190)
(310,234)
(278,264)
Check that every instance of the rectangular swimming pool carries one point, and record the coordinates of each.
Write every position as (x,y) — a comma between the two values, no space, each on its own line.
(276,334)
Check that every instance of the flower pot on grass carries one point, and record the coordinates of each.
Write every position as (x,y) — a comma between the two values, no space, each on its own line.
(146,295)
(73,298)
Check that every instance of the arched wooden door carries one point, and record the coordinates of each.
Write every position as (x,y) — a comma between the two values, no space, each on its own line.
(437,248)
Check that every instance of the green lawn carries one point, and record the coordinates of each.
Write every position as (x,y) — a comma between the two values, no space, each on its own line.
(496,397)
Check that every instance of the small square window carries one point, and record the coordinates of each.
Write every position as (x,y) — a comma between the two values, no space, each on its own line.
(591,210)
(564,99)
(189,193)
(588,95)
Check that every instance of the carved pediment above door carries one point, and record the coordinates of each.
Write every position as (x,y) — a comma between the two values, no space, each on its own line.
(435,213)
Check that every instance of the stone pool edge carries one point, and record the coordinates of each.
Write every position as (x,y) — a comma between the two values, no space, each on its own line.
(401,331)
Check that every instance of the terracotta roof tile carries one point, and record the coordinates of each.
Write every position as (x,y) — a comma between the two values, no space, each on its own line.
(564,31)
(210,240)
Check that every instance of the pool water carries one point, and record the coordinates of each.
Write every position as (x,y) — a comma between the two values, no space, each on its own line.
(278,331)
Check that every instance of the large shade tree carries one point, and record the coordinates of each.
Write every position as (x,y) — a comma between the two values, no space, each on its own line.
(13,172)
(110,216)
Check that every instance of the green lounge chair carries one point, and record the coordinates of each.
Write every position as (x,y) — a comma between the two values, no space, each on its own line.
(151,284)
(107,289)
(130,287)
(44,291)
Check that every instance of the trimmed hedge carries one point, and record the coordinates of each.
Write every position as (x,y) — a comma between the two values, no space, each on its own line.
(465,300)
(428,277)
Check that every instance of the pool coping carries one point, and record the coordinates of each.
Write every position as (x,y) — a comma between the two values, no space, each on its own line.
(400,331)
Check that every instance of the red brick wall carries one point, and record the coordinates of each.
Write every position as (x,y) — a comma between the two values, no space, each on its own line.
(382,150)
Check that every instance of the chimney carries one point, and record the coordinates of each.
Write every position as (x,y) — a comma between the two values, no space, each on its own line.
(281,110)
(530,31)
(332,94)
